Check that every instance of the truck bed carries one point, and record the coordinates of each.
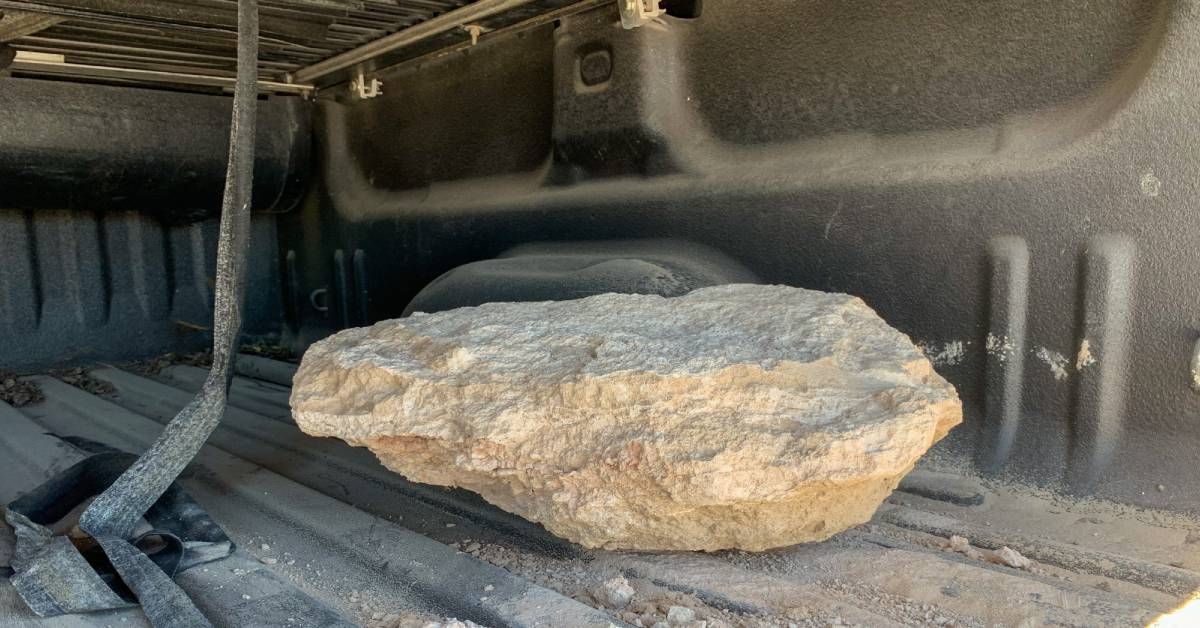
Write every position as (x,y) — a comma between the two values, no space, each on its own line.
(318,519)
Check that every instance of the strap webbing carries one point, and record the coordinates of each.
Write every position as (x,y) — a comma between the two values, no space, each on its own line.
(112,517)
(116,511)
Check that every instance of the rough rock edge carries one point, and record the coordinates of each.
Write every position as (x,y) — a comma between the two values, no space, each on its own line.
(807,512)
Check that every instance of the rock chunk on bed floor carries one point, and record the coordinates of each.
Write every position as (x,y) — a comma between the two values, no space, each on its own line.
(737,416)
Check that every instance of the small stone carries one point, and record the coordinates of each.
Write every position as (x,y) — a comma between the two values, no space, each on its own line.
(489,588)
(961,545)
(1161,488)
(471,548)
(265,547)
(660,624)
(449,525)
(245,597)
(1011,557)
(616,593)
(680,616)
(269,561)
(779,415)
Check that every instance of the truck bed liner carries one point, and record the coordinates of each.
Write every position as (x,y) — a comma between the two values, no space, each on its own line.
(328,519)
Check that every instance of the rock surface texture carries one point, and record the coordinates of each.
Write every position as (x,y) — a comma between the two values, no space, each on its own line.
(737,416)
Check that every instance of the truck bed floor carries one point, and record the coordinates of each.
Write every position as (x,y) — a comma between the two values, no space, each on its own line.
(327,519)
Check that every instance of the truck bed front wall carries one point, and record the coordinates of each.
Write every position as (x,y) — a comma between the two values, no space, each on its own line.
(1016,193)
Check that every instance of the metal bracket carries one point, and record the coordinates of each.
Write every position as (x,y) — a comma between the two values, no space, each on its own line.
(635,13)
(365,89)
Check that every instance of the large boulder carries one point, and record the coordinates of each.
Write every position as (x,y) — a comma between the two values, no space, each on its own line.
(737,416)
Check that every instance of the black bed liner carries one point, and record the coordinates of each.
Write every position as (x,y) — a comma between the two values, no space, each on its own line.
(320,517)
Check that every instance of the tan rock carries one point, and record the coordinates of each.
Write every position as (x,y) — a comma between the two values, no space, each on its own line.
(1011,557)
(615,593)
(739,416)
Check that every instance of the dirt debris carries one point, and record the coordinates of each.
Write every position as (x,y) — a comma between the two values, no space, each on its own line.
(413,620)
(155,365)
(875,575)
(356,599)
(1004,556)
(203,359)
(899,609)
(150,366)
(80,377)
(18,393)
(937,592)
(268,350)
(650,604)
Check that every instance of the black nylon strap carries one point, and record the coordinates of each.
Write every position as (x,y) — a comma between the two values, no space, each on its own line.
(116,511)
(165,604)
(112,517)
(54,577)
